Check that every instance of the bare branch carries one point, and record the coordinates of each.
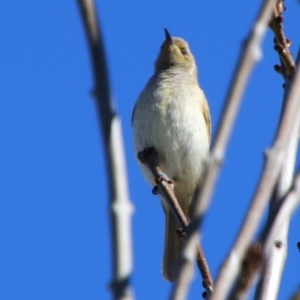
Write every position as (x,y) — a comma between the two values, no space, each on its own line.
(250,54)
(121,207)
(273,165)
(288,206)
(165,190)
(282,44)
(268,239)
(274,237)
(276,255)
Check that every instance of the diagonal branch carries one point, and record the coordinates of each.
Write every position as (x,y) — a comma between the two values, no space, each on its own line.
(275,259)
(282,44)
(268,239)
(121,207)
(290,202)
(249,56)
(165,190)
(273,165)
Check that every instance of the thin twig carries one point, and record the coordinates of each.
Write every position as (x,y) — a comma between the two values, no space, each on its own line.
(282,44)
(250,55)
(121,207)
(166,190)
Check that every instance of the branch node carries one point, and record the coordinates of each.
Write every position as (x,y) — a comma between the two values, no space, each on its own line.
(278,244)
(155,190)
(279,49)
(278,69)
(280,8)
(288,43)
(279,19)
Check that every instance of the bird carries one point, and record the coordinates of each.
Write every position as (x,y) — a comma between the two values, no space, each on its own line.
(172,116)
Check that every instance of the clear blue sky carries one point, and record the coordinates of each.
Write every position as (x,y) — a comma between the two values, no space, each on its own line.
(54,226)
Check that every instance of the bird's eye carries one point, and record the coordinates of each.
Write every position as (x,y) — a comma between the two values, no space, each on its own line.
(183,51)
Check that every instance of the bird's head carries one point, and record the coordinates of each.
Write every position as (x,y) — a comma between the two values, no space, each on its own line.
(175,53)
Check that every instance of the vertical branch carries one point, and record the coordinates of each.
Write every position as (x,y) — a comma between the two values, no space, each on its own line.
(275,247)
(250,54)
(275,260)
(121,207)
(289,204)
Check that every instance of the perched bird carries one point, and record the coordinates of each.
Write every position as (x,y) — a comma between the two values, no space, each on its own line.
(172,116)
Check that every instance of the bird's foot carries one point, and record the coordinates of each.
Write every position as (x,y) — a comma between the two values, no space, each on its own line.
(163,177)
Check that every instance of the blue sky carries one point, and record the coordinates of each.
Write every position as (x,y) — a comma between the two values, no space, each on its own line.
(54,225)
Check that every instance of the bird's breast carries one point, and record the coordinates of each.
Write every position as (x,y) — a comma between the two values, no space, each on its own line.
(170,119)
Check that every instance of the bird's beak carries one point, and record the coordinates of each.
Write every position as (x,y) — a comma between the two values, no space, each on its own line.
(168,36)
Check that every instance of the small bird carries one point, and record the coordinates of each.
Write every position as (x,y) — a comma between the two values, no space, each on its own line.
(172,116)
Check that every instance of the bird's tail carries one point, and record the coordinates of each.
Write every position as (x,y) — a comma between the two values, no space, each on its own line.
(173,247)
